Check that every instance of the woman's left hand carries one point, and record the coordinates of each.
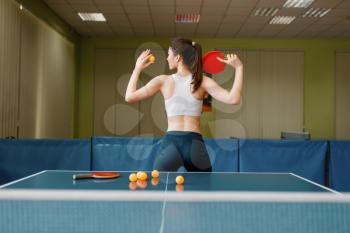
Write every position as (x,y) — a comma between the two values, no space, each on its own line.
(231,60)
(143,61)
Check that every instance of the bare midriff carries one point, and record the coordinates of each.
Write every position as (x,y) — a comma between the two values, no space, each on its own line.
(184,123)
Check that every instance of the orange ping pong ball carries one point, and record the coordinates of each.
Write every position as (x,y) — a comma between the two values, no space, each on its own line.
(138,174)
(152,58)
(143,176)
(180,180)
(133,177)
(155,174)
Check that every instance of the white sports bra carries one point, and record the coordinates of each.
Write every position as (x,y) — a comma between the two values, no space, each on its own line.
(182,102)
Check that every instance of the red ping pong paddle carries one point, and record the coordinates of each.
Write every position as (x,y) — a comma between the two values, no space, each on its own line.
(211,64)
(96,175)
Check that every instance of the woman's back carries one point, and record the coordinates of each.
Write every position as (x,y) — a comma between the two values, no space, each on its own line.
(183,107)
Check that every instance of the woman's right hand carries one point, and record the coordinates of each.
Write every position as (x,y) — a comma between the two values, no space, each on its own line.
(231,60)
(143,61)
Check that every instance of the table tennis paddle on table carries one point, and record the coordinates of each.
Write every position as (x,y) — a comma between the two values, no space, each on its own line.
(211,64)
(96,175)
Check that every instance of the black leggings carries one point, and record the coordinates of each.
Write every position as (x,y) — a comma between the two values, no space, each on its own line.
(182,148)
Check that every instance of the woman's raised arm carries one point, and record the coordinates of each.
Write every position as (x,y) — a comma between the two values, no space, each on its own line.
(234,95)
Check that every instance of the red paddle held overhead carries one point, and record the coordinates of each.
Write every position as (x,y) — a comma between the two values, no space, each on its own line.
(211,64)
(96,175)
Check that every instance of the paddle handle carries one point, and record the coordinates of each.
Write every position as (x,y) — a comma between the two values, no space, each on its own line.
(81,176)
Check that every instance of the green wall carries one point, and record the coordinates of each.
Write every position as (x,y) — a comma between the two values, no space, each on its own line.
(319,77)
(43,12)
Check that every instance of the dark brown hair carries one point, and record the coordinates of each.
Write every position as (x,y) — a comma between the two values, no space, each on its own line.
(191,54)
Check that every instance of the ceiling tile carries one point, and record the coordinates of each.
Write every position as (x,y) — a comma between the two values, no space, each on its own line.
(296,27)
(339,13)
(325,3)
(170,10)
(116,17)
(213,11)
(344,5)
(185,28)
(226,34)
(100,28)
(257,20)
(228,30)
(85,8)
(163,19)
(211,27)
(113,9)
(245,3)
(57,2)
(230,27)
(333,31)
(122,30)
(345,23)
(250,27)
(80,2)
(247,33)
(107,2)
(141,19)
(274,27)
(120,22)
(188,2)
(161,2)
(222,3)
(165,33)
(132,9)
(329,20)
(134,2)
(187,10)
(207,19)
(241,11)
(270,3)
(233,19)
(289,33)
(303,21)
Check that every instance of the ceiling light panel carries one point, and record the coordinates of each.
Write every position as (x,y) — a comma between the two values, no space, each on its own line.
(267,12)
(187,18)
(282,20)
(317,13)
(298,3)
(95,17)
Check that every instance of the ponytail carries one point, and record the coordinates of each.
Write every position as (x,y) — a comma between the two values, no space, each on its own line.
(191,54)
(196,68)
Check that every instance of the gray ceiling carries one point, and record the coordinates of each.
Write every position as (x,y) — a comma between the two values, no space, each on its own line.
(218,18)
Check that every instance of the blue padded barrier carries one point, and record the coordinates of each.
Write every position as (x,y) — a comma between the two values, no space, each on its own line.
(123,153)
(139,153)
(20,158)
(223,154)
(339,167)
(304,158)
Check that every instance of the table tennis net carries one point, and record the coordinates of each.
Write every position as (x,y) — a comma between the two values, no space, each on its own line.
(175,212)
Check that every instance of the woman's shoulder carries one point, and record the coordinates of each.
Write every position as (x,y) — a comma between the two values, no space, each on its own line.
(206,80)
(161,77)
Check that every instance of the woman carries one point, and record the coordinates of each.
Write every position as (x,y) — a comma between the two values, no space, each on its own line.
(183,93)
